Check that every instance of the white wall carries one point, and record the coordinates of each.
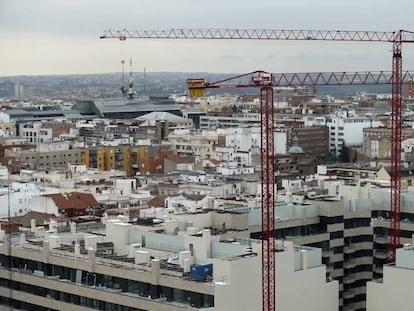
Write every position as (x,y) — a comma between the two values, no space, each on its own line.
(198,220)
(394,293)
(249,139)
(201,246)
(44,204)
(125,186)
(242,289)
(349,130)
(120,237)
(21,198)
(304,290)
(4,172)
(4,117)
(280,144)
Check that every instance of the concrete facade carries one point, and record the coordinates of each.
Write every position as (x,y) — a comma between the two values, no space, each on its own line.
(146,270)
(392,292)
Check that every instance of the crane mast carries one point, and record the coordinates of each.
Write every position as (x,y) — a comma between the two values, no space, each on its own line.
(268,199)
(396,78)
(396,124)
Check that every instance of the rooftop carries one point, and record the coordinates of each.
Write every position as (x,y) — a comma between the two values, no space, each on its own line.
(161,115)
(405,257)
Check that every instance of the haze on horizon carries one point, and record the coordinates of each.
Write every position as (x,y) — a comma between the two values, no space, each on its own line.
(62,36)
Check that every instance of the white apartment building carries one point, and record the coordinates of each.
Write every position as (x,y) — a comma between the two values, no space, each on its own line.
(137,268)
(16,199)
(240,143)
(198,144)
(242,139)
(249,140)
(348,131)
(35,133)
(19,91)
(343,129)
(244,120)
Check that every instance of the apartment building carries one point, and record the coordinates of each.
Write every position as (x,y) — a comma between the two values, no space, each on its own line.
(341,229)
(353,233)
(149,158)
(16,198)
(377,200)
(107,158)
(345,128)
(13,143)
(377,142)
(154,126)
(46,156)
(35,133)
(200,145)
(347,131)
(136,267)
(238,120)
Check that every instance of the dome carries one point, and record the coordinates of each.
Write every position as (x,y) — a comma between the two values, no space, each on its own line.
(295,148)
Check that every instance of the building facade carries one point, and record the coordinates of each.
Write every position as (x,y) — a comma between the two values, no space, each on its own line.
(136,269)
(107,158)
(392,291)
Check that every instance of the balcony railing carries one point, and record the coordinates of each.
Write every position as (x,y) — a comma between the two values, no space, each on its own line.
(349,249)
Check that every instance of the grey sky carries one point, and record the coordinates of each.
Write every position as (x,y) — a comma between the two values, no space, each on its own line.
(62,36)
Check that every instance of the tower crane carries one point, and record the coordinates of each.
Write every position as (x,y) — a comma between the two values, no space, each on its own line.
(266,82)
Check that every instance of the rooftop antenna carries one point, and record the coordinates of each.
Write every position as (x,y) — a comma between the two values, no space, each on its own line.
(123,73)
(123,64)
(144,91)
(130,82)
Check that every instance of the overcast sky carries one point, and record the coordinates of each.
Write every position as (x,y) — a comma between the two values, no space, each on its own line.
(62,36)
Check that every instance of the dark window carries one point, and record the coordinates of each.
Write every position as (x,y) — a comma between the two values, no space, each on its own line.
(336,235)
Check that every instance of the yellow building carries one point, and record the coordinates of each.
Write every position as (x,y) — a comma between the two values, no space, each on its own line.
(407,175)
(108,158)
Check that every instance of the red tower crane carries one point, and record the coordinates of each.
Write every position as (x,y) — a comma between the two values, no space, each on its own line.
(396,78)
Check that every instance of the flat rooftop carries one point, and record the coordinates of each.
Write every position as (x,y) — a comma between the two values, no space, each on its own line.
(405,257)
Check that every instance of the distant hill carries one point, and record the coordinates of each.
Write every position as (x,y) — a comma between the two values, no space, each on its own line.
(84,85)
(353,89)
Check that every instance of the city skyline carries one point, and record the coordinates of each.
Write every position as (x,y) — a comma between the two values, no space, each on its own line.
(62,37)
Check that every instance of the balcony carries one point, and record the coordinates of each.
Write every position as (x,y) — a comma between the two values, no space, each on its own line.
(327,252)
(380,254)
(349,249)
(348,294)
(349,264)
(381,239)
(349,308)
(349,279)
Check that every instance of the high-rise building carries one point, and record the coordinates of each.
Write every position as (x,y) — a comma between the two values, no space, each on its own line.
(136,267)
(19,91)
(341,229)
